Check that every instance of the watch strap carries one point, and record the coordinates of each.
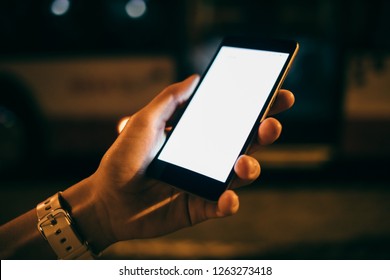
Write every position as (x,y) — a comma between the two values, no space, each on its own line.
(57,227)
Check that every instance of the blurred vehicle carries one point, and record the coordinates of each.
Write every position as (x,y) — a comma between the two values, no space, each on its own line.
(61,107)
(69,70)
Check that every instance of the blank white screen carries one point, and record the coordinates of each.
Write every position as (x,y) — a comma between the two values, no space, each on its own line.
(213,129)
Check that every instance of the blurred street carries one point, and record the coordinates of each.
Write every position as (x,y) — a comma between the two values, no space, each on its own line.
(275,221)
(283,224)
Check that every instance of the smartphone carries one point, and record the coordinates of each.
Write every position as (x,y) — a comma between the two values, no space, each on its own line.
(222,116)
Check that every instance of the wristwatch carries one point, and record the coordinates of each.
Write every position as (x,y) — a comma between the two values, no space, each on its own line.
(57,227)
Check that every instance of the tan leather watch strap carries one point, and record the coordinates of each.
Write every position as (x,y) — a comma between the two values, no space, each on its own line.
(57,227)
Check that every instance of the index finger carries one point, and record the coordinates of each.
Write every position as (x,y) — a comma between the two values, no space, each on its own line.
(284,100)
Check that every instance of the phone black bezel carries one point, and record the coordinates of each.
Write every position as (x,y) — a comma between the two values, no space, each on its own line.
(199,184)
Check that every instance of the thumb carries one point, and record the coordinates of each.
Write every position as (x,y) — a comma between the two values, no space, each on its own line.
(164,105)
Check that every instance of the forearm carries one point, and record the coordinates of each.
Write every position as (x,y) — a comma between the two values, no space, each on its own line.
(21,239)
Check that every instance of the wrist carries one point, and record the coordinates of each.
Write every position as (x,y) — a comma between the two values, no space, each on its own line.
(83,207)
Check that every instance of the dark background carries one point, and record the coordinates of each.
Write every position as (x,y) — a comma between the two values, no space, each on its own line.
(324,188)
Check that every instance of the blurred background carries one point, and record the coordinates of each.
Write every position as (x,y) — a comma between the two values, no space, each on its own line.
(69,70)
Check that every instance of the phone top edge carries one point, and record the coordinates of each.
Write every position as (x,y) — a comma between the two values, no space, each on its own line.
(286,45)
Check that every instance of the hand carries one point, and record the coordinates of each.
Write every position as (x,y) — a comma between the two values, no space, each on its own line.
(127,205)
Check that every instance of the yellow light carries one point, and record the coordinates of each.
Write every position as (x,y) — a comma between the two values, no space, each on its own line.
(122,123)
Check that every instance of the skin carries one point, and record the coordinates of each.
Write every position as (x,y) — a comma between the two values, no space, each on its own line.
(118,202)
